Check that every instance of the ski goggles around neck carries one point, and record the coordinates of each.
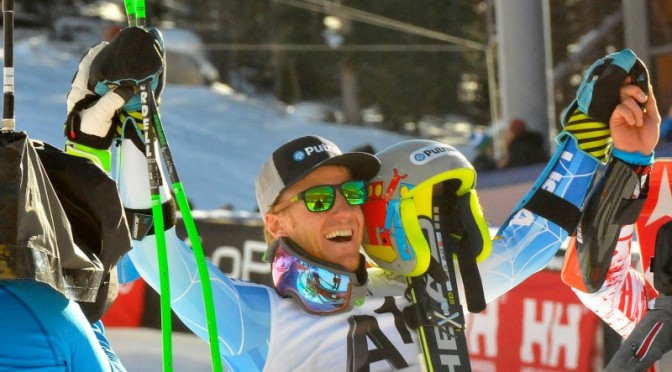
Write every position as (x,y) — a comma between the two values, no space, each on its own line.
(323,197)
(319,287)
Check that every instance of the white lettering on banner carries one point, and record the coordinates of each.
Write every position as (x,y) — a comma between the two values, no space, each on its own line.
(233,253)
(483,327)
(249,264)
(242,264)
(546,331)
(125,288)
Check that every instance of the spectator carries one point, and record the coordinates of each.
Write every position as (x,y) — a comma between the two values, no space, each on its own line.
(523,147)
(484,159)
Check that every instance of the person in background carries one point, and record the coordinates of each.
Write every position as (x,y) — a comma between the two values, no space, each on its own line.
(485,158)
(523,146)
(52,322)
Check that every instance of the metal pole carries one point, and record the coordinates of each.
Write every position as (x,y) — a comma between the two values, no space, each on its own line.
(8,121)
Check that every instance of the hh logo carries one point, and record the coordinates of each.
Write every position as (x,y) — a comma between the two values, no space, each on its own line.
(547,335)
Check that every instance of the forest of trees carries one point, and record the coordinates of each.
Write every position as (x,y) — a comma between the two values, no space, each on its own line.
(387,56)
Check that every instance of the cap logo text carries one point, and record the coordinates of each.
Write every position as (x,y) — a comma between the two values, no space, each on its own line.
(323,147)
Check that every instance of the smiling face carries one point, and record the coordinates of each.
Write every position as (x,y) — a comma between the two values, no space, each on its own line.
(334,235)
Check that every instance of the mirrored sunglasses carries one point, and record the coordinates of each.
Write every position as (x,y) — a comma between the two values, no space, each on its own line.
(322,198)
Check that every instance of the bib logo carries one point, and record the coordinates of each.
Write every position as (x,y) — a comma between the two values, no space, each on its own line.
(426,154)
(300,155)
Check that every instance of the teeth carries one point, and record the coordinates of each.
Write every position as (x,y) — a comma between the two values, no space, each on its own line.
(337,233)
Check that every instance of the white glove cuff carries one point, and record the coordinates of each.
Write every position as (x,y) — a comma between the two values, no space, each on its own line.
(97,119)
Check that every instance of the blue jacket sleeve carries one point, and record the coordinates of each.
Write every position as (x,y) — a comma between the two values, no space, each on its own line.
(242,309)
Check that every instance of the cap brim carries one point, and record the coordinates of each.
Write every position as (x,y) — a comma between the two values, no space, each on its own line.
(362,166)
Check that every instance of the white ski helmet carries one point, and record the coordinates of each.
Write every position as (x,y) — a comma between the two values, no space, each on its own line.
(400,201)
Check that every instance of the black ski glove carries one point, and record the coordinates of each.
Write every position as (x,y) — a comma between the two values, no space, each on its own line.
(104,92)
(134,57)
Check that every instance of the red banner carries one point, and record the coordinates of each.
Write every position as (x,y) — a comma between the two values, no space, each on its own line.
(657,208)
(129,307)
(538,326)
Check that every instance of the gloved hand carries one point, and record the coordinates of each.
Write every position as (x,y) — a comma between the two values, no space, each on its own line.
(134,57)
(651,338)
(105,89)
(587,117)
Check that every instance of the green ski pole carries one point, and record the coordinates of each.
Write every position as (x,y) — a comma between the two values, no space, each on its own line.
(159,233)
(185,211)
(194,237)
(138,14)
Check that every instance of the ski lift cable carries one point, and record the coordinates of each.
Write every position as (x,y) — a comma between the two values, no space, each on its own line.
(322,6)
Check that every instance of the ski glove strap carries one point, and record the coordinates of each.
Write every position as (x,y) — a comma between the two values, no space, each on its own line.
(592,136)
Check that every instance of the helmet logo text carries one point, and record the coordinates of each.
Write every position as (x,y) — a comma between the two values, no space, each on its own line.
(426,154)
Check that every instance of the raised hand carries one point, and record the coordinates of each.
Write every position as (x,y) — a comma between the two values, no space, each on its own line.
(105,90)
(635,127)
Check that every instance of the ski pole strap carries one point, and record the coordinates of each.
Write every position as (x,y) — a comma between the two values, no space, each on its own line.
(425,312)
(141,221)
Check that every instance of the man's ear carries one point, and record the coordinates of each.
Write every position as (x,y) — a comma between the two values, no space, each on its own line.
(275,225)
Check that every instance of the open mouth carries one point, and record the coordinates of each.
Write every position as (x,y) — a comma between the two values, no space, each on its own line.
(339,236)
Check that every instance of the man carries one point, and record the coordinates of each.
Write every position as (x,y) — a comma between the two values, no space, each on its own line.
(523,146)
(326,310)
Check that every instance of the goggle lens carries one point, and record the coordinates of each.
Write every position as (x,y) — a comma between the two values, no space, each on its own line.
(321,291)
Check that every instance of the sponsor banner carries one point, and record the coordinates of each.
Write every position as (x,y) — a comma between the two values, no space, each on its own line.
(657,209)
(538,326)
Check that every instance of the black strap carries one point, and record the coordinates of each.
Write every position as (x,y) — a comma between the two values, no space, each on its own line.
(141,221)
(555,209)
(471,278)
